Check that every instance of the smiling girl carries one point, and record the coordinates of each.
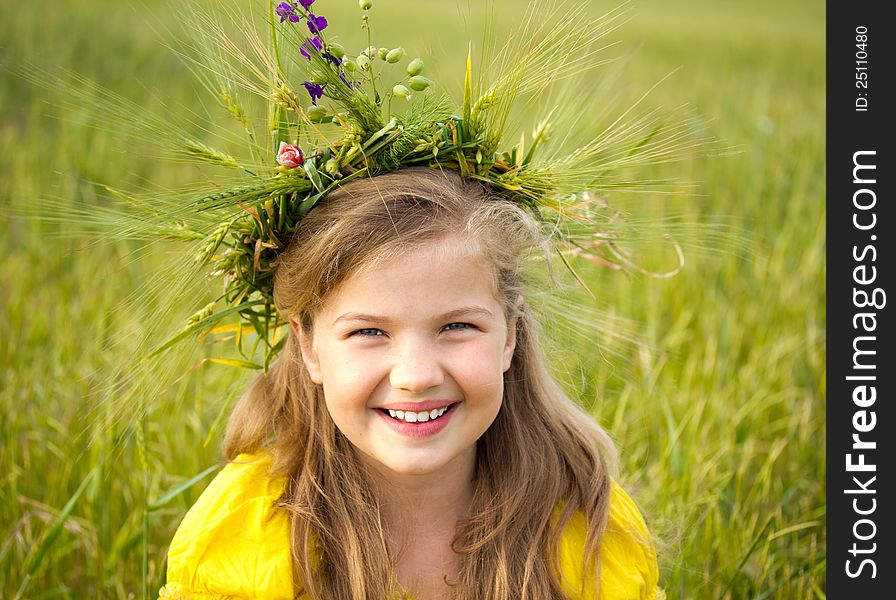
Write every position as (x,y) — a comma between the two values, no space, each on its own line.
(409,442)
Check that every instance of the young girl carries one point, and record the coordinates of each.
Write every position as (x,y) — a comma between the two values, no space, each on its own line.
(409,442)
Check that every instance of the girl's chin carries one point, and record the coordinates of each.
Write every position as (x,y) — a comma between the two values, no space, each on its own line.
(397,462)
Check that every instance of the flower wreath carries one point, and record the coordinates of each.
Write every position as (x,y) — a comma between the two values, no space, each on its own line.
(341,122)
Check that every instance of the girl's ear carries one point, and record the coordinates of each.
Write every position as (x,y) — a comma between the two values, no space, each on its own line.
(510,342)
(309,354)
(509,345)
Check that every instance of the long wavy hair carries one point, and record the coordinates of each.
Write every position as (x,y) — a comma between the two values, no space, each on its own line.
(541,461)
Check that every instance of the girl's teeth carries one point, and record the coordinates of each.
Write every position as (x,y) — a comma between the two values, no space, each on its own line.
(417,417)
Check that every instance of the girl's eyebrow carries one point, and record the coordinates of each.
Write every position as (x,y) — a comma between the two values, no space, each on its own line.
(463,312)
(354,316)
(468,311)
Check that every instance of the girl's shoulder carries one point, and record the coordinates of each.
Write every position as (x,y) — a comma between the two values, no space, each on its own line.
(628,560)
(233,543)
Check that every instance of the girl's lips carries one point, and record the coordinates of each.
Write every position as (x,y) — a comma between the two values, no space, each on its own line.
(424,405)
(421,429)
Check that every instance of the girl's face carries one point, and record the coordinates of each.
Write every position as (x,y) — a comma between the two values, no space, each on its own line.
(411,356)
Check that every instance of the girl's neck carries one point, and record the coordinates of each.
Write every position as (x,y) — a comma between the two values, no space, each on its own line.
(420,514)
(430,502)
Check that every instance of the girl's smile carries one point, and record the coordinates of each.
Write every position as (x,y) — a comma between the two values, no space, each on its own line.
(416,421)
(411,356)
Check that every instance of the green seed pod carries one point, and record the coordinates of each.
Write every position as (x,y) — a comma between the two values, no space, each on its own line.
(382,53)
(316,113)
(394,55)
(365,4)
(369,52)
(402,91)
(418,83)
(363,62)
(336,50)
(415,67)
(331,167)
(318,77)
(349,66)
(207,311)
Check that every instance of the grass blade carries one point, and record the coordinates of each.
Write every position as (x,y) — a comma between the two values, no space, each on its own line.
(53,533)
(748,554)
(181,487)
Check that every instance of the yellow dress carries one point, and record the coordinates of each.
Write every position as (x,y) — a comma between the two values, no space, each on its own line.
(233,546)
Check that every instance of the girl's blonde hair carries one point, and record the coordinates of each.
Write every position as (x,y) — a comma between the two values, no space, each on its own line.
(541,461)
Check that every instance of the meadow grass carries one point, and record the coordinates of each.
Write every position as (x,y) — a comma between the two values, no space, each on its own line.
(718,410)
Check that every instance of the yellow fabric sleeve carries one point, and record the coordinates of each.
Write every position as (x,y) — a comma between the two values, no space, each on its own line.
(233,545)
(628,559)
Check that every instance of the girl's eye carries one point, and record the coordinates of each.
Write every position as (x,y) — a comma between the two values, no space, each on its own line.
(456,326)
(369,331)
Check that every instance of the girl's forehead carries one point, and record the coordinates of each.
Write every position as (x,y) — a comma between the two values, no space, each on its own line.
(462,250)
(444,275)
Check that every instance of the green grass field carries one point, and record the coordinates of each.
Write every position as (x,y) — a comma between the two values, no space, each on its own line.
(718,410)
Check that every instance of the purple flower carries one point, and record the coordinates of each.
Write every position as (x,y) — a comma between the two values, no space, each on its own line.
(285,10)
(331,58)
(306,3)
(314,90)
(316,24)
(312,44)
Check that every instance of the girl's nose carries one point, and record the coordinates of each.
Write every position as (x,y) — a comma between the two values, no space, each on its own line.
(416,368)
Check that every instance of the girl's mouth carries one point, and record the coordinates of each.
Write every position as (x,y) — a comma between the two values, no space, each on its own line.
(407,416)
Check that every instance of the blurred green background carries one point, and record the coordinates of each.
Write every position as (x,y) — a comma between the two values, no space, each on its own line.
(718,410)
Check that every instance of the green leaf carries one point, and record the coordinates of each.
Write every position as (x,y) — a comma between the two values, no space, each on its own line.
(313,174)
(468,85)
(56,528)
(273,352)
(756,541)
(222,414)
(181,487)
(309,202)
(234,362)
(387,129)
(200,326)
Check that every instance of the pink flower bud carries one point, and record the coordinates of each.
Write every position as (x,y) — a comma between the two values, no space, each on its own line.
(290,156)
